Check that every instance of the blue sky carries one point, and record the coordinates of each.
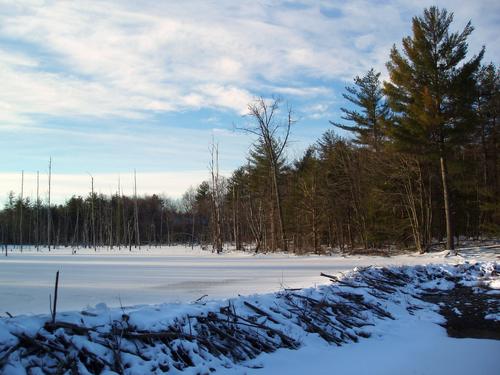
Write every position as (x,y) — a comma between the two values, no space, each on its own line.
(108,86)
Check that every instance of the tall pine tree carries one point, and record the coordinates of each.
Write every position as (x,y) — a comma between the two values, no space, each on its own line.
(366,94)
(431,92)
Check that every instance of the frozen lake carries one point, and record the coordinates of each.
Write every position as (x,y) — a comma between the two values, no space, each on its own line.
(169,274)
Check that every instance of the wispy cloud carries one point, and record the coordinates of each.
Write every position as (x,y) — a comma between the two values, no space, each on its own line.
(320,110)
(119,58)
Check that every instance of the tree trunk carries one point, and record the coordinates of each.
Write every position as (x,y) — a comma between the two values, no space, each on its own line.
(37,211)
(236,228)
(446,198)
(48,206)
(279,207)
(93,214)
(217,198)
(192,230)
(136,214)
(21,212)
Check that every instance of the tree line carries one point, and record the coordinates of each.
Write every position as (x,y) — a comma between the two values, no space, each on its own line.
(420,167)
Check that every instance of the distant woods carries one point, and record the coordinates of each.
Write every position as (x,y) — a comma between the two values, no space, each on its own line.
(97,221)
(420,166)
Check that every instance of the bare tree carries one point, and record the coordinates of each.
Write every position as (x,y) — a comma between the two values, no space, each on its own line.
(189,206)
(92,211)
(217,198)
(48,206)
(136,213)
(37,236)
(273,133)
(118,221)
(21,212)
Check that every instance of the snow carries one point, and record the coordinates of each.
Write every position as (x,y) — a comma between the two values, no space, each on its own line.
(412,343)
(495,284)
(408,345)
(169,274)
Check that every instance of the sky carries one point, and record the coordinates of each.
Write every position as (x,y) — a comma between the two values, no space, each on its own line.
(106,87)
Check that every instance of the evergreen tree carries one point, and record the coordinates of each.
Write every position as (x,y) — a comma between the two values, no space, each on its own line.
(488,142)
(488,108)
(307,183)
(431,91)
(264,167)
(373,111)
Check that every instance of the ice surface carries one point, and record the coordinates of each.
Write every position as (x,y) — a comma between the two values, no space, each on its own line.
(168,274)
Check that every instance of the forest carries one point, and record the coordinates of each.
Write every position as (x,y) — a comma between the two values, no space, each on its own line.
(419,168)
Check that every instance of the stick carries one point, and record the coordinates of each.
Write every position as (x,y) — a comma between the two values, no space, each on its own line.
(55,298)
(260,311)
(199,299)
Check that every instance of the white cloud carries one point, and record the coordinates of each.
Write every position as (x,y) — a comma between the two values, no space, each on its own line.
(117,58)
(317,111)
(306,92)
(226,97)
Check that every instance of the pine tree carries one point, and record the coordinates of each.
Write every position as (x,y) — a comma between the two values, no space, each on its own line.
(373,111)
(431,92)
(307,182)
(488,108)
(266,180)
(488,140)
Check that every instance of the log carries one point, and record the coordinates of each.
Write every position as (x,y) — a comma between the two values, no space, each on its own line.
(79,330)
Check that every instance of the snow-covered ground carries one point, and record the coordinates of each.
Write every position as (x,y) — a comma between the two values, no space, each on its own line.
(171,274)
(410,344)
(413,345)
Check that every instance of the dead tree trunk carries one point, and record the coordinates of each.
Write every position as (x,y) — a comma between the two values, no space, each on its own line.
(21,213)
(136,214)
(92,212)
(37,230)
(48,206)
(217,196)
